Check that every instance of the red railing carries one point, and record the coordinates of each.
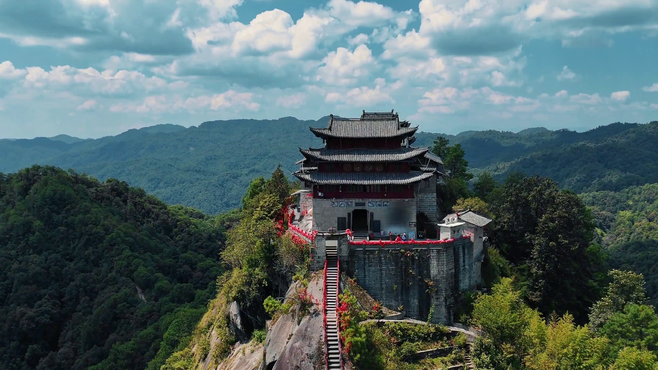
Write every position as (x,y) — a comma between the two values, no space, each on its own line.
(309,236)
(324,314)
(394,242)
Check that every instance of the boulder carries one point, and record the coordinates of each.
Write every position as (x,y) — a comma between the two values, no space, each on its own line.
(277,338)
(305,349)
(235,321)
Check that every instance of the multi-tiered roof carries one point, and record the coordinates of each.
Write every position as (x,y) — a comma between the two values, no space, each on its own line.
(372,150)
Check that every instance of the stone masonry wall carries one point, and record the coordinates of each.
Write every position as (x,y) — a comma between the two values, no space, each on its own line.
(426,203)
(394,217)
(414,276)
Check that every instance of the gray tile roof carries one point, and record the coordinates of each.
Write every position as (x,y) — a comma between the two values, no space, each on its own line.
(470,217)
(360,178)
(363,155)
(379,115)
(433,157)
(363,128)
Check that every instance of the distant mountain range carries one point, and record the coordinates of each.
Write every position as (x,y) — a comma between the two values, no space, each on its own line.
(209,167)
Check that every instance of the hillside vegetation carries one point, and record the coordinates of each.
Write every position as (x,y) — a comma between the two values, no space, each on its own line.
(98,275)
(627,225)
(208,167)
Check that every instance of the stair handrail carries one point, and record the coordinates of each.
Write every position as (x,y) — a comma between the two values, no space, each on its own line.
(324,314)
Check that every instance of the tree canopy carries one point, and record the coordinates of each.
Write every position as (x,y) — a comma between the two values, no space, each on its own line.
(98,275)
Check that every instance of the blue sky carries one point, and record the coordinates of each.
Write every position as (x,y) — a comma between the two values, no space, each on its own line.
(91,68)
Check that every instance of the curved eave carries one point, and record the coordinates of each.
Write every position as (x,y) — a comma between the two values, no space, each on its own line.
(327,133)
(327,178)
(363,155)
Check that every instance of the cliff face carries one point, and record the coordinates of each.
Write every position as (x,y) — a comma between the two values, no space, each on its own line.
(294,340)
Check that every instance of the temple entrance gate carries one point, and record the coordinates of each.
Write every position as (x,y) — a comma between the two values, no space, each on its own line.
(360,220)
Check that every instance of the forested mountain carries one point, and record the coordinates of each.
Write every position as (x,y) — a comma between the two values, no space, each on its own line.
(208,167)
(627,223)
(98,275)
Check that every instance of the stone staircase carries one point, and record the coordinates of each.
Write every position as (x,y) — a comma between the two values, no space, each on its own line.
(334,361)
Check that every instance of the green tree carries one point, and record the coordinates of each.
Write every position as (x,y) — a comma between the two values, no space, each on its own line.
(476,205)
(456,166)
(278,185)
(636,326)
(635,359)
(484,186)
(625,288)
(546,233)
(255,187)
(508,323)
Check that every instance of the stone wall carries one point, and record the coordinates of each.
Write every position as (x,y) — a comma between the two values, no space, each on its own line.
(394,214)
(426,203)
(318,250)
(414,276)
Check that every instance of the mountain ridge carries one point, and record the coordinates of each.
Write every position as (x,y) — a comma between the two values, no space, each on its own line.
(208,166)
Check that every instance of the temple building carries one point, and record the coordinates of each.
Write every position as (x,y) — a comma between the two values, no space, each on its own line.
(369,208)
(370,179)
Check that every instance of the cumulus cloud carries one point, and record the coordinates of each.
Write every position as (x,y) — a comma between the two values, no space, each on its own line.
(361,97)
(620,95)
(343,67)
(477,27)
(88,105)
(566,74)
(362,13)
(652,88)
(586,99)
(8,71)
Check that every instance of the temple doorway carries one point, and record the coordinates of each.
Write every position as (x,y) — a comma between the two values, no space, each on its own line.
(360,220)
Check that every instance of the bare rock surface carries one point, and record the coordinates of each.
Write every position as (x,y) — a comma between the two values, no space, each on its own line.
(305,350)
(247,356)
(235,319)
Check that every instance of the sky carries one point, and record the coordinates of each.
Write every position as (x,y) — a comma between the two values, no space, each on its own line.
(91,68)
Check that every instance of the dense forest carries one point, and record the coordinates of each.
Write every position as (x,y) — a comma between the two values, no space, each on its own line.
(206,167)
(98,275)
(627,228)
(555,303)
(209,166)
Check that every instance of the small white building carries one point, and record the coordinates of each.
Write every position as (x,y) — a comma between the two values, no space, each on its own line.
(466,223)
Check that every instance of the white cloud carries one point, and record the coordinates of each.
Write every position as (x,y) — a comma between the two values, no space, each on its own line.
(654,106)
(362,13)
(566,74)
(266,33)
(174,21)
(88,105)
(361,97)
(359,39)
(479,27)
(411,44)
(233,98)
(342,67)
(8,71)
(652,88)
(291,101)
(561,94)
(101,3)
(620,95)
(586,99)
(218,9)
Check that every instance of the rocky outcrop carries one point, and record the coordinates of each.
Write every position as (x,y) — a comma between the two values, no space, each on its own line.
(245,356)
(295,340)
(235,321)
(305,349)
